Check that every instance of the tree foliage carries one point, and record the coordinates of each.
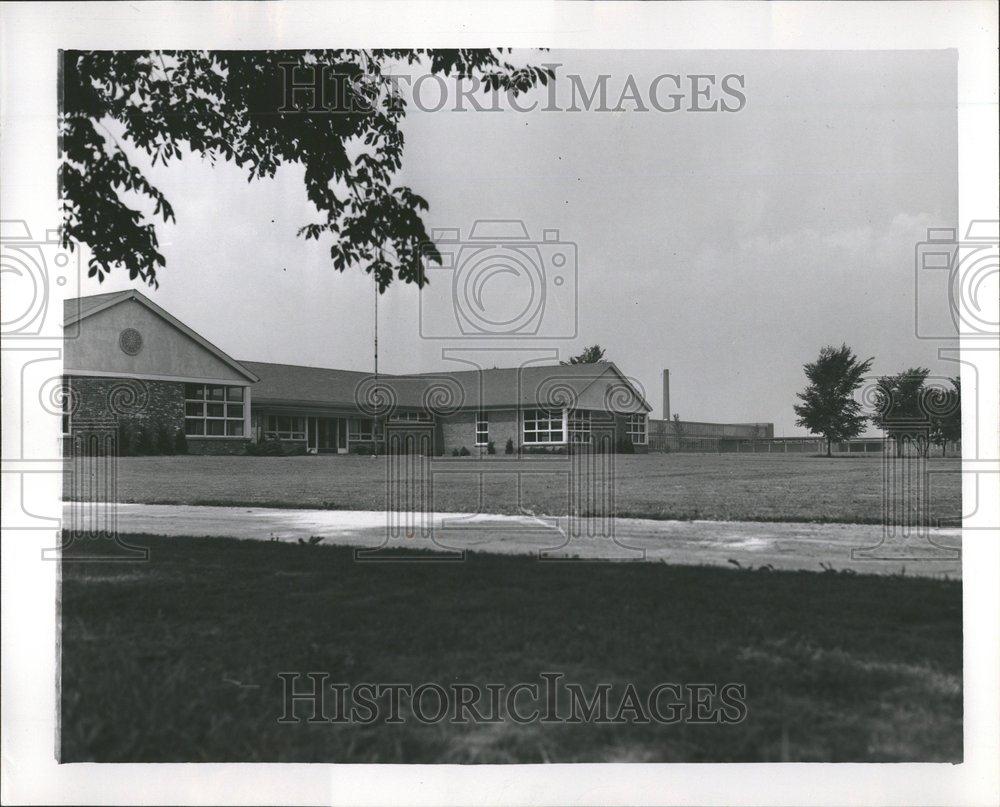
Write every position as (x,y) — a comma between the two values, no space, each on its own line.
(828,406)
(909,411)
(946,415)
(590,355)
(233,106)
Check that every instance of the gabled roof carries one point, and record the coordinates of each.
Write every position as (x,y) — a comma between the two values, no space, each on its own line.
(78,309)
(599,386)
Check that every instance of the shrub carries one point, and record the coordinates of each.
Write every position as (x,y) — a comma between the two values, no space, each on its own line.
(543,449)
(180,442)
(509,448)
(454,452)
(126,439)
(625,445)
(491,447)
(463,452)
(145,441)
(266,448)
(164,441)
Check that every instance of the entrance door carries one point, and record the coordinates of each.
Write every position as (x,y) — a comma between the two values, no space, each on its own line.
(326,434)
(341,435)
(311,444)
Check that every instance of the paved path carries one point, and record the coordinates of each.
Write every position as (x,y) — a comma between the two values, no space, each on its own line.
(790,545)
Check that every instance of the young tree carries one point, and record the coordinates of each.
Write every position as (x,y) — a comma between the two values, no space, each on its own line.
(337,113)
(126,439)
(590,355)
(145,443)
(901,411)
(945,409)
(678,426)
(180,442)
(828,407)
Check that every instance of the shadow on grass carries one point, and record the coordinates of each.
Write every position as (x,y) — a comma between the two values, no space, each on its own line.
(176,659)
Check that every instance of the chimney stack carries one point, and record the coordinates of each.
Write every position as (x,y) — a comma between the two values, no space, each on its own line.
(666,395)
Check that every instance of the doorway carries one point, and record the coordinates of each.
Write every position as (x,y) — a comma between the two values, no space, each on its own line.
(326,435)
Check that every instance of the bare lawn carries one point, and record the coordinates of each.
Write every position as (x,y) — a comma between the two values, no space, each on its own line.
(661,486)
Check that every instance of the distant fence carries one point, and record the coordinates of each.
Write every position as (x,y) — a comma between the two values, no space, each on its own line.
(779,445)
(700,429)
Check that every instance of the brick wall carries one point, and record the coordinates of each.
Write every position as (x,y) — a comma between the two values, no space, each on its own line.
(216,445)
(459,430)
(505,424)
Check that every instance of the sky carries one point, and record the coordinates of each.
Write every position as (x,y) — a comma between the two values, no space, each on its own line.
(727,247)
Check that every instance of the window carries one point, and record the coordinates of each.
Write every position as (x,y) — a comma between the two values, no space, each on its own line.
(482,428)
(66,406)
(543,426)
(286,427)
(362,429)
(423,417)
(579,426)
(213,410)
(636,429)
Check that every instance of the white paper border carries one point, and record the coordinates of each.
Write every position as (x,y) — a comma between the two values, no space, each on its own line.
(29,38)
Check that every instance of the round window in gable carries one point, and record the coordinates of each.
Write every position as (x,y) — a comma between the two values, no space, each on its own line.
(130,341)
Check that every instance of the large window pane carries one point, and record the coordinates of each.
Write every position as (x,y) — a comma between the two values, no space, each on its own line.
(636,429)
(215,419)
(579,426)
(543,426)
(284,427)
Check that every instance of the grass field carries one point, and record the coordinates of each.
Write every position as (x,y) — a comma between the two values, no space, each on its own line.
(737,487)
(176,658)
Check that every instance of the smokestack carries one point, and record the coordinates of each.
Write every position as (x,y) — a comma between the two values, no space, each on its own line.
(666,395)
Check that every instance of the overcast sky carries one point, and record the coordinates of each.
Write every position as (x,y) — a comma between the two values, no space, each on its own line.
(728,247)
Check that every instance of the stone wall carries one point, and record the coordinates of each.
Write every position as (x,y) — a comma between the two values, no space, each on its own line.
(154,405)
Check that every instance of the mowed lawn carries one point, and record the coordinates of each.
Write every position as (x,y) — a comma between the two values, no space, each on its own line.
(177,658)
(739,487)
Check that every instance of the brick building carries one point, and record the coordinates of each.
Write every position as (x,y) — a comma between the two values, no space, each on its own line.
(132,365)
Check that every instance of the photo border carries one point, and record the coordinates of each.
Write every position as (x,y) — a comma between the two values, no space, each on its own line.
(32,34)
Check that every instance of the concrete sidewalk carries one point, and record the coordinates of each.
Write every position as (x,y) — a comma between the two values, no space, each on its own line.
(783,545)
